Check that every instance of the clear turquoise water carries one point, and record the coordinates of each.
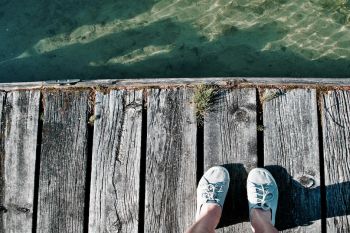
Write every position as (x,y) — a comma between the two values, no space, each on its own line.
(85,39)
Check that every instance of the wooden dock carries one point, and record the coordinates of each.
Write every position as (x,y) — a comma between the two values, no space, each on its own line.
(126,155)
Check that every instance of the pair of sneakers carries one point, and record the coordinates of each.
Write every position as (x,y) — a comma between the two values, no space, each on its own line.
(262,189)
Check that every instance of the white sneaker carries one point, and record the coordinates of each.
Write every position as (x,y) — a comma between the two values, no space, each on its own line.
(212,188)
(262,191)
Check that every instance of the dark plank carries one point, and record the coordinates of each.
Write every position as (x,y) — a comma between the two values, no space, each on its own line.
(115,178)
(230,139)
(291,153)
(336,149)
(21,112)
(63,162)
(171,161)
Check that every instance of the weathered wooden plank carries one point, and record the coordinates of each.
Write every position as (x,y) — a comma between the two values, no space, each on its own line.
(115,178)
(63,162)
(230,139)
(148,82)
(21,113)
(171,161)
(166,82)
(2,161)
(336,149)
(291,152)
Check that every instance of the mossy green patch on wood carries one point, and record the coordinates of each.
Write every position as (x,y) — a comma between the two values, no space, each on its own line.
(272,94)
(203,98)
(42,116)
(260,128)
(92,119)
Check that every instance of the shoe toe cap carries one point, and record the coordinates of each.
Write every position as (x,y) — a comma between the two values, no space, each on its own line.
(260,176)
(217,174)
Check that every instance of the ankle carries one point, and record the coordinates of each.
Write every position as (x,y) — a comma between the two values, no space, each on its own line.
(210,214)
(210,209)
(260,220)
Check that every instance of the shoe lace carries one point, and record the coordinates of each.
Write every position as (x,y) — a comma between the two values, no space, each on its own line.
(212,192)
(263,195)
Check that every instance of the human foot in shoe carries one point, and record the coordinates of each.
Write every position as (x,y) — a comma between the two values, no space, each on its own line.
(262,192)
(212,188)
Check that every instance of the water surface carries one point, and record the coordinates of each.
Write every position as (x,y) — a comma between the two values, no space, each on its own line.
(85,39)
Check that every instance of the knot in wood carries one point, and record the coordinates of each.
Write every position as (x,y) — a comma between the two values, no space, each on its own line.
(241,115)
(19,208)
(22,209)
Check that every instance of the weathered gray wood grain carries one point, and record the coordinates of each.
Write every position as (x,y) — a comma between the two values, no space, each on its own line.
(336,149)
(171,161)
(291,153)
(115,178)
(149,82)
(221,81)
(2,161)
(230,139)
(21,113)
(63,162)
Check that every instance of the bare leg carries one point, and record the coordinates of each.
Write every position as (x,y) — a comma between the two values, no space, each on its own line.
(208,219)
(211,193)
(261,221)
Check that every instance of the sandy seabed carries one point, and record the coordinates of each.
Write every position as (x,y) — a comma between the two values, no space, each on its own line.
(85,39)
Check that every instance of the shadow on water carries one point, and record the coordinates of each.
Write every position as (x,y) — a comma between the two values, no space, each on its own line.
(298,205)
(164,48)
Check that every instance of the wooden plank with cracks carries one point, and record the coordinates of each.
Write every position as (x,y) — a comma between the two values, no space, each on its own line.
(171,161)
(335,112)
(63,164)
(230,140)
(291,153)
(20,117)
(115,178)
